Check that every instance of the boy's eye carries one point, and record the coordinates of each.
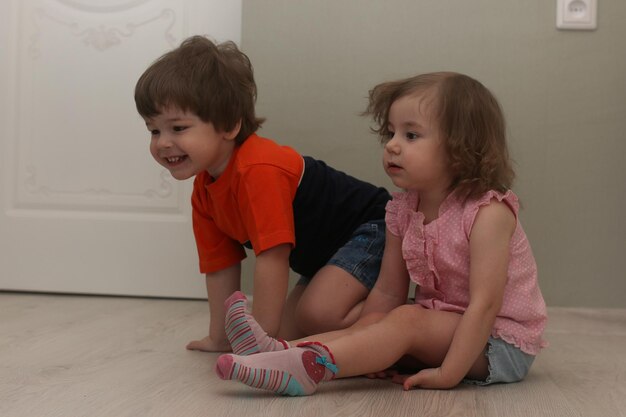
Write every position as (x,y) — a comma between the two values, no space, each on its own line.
(179,128)
(154,132)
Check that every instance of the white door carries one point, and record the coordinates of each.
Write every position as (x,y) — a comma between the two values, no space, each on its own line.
(84,208)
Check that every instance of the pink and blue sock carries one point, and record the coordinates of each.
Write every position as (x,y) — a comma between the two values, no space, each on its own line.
(295,372)
(245,335)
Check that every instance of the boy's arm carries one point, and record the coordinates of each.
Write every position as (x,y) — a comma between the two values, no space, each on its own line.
(219,285)
(271,279)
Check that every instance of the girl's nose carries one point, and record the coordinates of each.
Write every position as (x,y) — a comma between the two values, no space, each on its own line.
(391,145)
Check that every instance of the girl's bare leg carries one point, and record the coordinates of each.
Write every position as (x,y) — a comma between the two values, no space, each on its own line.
(421,333)
(411,330)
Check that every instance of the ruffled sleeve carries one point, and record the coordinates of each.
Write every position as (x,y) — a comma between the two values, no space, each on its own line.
(396,212)
(472,206)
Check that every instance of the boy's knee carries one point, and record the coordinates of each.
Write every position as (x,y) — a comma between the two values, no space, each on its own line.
(319,319)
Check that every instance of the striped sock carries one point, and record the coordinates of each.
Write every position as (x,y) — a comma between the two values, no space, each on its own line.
(245,335)
(293,372)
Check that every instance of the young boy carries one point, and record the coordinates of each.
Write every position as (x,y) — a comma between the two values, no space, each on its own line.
(293,211)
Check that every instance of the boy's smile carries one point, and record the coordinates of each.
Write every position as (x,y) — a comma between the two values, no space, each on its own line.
(176,159)
(187,145)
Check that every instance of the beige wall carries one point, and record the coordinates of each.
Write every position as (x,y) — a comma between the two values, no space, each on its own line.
(564,94)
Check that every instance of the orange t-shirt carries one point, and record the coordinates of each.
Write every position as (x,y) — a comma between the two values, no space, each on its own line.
(251,201)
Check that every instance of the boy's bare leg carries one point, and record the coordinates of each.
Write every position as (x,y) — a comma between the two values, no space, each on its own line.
(333,300)
(245,335)
(288,326)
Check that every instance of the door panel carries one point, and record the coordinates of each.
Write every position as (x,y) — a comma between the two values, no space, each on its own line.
(85,209)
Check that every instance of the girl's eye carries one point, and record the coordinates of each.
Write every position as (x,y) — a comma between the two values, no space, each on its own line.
(412,135)
(154,132)
(179,128)
(387,136)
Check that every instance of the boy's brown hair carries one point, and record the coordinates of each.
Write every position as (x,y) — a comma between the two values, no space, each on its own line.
(470,121)
(213,81)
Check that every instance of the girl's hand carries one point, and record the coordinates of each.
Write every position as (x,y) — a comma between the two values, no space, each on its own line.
(432,378)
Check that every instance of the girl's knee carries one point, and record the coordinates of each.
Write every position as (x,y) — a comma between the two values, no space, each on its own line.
(409,313)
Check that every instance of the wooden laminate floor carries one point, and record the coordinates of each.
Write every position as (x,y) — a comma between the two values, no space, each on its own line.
(77,356)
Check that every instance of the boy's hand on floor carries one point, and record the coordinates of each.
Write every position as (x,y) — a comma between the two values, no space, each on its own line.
(208,345)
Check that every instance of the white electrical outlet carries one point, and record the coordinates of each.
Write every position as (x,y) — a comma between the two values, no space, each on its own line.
(577,14)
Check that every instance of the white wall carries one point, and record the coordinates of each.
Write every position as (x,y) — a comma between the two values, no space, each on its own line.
(564,94)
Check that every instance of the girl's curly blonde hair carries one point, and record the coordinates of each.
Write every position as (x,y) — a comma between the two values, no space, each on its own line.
(470,121)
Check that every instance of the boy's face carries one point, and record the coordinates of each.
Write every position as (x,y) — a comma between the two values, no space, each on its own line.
(186,145)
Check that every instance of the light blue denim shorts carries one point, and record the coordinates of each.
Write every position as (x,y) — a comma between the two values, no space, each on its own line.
(362,254)
(507,363)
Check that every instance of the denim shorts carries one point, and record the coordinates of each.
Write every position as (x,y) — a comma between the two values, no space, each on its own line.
(507,363)
(362,254)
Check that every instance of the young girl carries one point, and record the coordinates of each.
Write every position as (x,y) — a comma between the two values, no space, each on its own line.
(479,314)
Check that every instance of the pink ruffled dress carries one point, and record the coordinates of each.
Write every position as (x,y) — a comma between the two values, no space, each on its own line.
(437,258)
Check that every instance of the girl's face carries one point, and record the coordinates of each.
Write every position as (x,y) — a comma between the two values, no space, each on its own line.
(186,145)
(414,156)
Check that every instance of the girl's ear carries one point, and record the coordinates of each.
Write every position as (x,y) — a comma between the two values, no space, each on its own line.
(232,134)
